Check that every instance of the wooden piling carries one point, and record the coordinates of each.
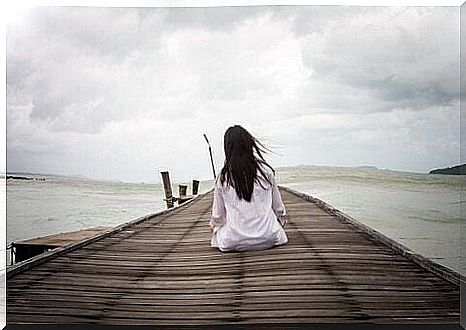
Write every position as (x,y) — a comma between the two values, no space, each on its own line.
(195,187)
(182,189)
(168,189)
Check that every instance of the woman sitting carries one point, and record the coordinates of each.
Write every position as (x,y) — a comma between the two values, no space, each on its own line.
(248,212)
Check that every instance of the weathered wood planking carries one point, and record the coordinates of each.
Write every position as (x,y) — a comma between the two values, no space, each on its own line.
(161,270)
(63,239)
(29,248)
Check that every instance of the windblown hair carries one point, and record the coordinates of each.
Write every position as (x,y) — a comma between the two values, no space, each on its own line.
(243,159)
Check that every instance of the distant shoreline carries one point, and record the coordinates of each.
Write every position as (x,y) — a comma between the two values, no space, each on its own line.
(455,170)
(17,177)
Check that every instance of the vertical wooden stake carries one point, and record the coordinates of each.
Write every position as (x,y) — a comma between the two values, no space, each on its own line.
(168,189)
(211,158)
(182,190)
(195,187)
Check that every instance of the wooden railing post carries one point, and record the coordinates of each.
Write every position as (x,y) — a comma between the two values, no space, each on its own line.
(168,189)
(195,187)
(182,190)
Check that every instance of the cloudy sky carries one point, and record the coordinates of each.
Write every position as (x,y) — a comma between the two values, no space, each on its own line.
(122,93)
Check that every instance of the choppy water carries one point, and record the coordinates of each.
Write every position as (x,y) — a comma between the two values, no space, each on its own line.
(419,210)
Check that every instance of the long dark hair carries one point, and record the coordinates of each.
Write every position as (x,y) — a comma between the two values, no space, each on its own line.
(243,158)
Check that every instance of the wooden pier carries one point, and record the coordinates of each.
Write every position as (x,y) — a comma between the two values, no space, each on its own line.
(160,269)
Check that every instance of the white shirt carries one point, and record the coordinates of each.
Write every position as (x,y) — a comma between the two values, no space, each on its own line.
(239,225)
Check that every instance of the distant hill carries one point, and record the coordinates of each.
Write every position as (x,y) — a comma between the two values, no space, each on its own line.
(455,170)
(367,167)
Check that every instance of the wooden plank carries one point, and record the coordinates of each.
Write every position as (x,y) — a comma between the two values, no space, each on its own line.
(63,238)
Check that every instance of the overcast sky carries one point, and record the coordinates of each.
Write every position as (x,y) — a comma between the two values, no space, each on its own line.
(121,93)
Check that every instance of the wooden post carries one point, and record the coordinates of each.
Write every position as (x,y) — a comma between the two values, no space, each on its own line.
(195,187)
(12,256)
(182,190)
(211,158)
(168,189)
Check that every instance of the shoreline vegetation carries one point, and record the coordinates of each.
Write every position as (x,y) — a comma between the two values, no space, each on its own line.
(455,170)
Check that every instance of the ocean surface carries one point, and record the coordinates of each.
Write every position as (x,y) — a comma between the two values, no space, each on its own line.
(421,211)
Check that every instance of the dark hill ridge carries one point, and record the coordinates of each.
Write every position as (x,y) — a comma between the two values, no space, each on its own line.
(455,170)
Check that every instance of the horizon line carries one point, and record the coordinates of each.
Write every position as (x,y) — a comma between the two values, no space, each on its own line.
(81,176)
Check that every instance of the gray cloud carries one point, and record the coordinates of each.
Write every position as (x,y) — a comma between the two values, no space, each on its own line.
(132,87)
(213,18)
(403,57)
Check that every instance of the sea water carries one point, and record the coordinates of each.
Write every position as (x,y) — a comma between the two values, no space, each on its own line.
(421,211)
